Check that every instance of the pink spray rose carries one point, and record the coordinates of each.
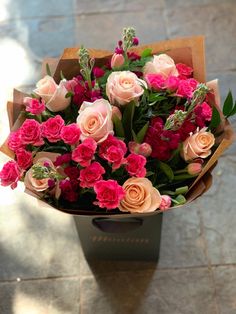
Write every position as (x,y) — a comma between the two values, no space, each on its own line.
(165,202)
(186,88)
(30,133)
(184,70)
(84,152)
(124,86)
(51,129)
(34,105)
(109,194)
(140,196)
(90,175)
(172,83)
(117,60)
(155,81)
(161,64)
(24,158)
(52,94)
(14,141)
(95,120)
(113,150)
(70,134)
(10,174)
(194,168)
(143,149)
(198,145)
(135,165)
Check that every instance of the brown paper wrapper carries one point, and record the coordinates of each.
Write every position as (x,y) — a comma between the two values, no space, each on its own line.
(188,50)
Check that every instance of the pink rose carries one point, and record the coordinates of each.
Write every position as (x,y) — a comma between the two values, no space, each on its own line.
(109,194)
(186,88)
(14,141)
(71,84)
(140,196)
(34,105)
(172,83)
(184,70)
(143,149)
(116,113)
(51,129)
(70,134)
(155,81)
(95,120)
(194,168)
(113,150)
(161,64)
(39,185)
(90,175)
(52,94)
(123,87)
(10,174)
(203,111)
(117,60)
(30,133)
(198,145)
(84,152)
(165,202)
(24,158)
(135,165)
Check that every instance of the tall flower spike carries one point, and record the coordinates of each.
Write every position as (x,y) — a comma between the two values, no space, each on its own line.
(198,96)
(128,38)
(175,120)
(86,65)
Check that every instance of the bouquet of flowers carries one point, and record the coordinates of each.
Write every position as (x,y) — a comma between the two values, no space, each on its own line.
(131,132)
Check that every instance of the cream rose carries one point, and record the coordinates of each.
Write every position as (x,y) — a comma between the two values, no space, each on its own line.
(117,60)
(123,87)
(52,94)
(34,184)
(95,120)
(161,64)
(198,145)
(140,196)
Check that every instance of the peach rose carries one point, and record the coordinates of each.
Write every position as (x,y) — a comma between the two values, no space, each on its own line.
(140,196)
(34,184)
(95,120)
(123,87)
(52,94)
(117,60)
(161,64)
(198,145)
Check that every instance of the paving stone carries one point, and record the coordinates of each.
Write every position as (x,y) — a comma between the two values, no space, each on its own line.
(105,29)
(183,3)
(101,6)
(58,296)
(35,241)
(21,9)
(218,211)
(225,278)
(162,292)
(216,22)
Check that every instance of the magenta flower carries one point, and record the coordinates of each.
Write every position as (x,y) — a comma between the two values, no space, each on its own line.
(109,194)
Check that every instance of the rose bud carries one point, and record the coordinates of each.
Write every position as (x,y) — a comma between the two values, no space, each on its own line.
(145,150)
(117,60)
(194,168)
(134,147)
(116,112)
(165,202)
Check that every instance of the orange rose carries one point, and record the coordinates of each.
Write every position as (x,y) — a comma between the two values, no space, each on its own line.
(140,196)
(198,145)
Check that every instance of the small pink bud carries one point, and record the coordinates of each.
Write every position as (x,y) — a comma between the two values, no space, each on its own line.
(165,202)
(117,60)
(134,147)
(116,112)
(135,41)
(145,150)
(194,168)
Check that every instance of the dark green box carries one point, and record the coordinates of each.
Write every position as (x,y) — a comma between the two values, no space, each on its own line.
(120,237)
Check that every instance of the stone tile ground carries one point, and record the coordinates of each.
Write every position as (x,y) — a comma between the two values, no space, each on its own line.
(42,266)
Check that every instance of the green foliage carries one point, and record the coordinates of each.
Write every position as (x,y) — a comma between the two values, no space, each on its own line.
(48,71)
(215,119)
(167,170)
(229,107)
(141,134)
(118,126)
(127,120)
(146,53)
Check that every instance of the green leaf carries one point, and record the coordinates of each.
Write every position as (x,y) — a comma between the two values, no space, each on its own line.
(48,70)
(134,136)
(141,134)
(127,120)
(233,112)
(181,190)
(62,75)
(119,130)
(149,173)
(146,52)
(167,170)
(179,200)
(228,104)
(215,120)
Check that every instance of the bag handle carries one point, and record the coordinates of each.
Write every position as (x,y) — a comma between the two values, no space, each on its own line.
(112,225)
